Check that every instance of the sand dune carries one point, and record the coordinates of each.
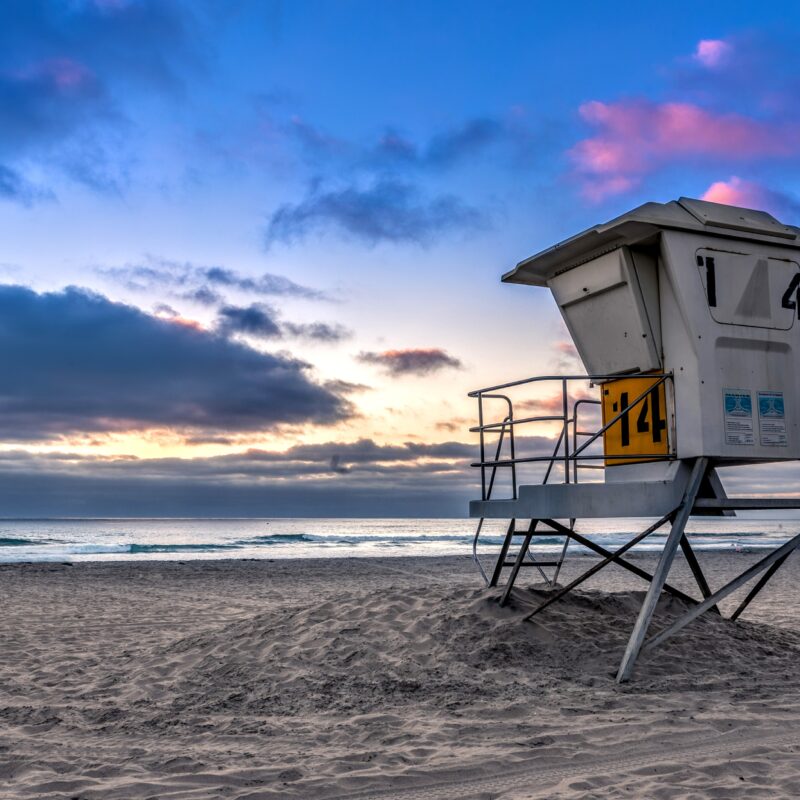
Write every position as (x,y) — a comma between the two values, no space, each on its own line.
(382,678)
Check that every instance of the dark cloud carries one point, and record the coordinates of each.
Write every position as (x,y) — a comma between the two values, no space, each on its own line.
(266,284)
(205,439)
(203,295)
(445,149)
(255,320)
(77,362)
(368,452)
(203,284)
(346,387)
(421,361)
(460,144)
(464,142)
(207,285)
(165,310)
(316,331)
(385,211)
(261,321)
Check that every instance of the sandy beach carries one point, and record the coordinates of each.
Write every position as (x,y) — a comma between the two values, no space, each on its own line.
(385,678)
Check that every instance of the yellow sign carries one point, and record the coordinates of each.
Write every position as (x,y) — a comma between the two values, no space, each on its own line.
(640,434)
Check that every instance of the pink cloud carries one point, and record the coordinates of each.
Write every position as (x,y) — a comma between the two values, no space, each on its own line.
(712,53)
(748,194)
(634,138)
(734,192)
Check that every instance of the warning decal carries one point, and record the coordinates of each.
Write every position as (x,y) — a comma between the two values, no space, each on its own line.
(738,406)
(771,419)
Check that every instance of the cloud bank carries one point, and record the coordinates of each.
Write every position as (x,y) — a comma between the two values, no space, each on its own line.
(203,283)
(76,362)
(361,478)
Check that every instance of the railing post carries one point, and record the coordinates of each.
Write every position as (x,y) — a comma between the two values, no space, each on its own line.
(575,441)
(483,447)
(565,406)
(513,450)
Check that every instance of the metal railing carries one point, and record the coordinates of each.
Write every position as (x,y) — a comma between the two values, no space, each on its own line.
(571,458)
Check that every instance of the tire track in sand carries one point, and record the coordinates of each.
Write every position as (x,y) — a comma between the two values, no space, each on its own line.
(536,778)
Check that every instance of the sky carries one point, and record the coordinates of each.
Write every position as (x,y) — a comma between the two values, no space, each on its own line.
(251,250)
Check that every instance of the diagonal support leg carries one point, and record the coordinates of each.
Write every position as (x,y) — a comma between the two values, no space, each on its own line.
(662,570)
(563,555)
(767,561)
(518,563)
(762,582)
(597,567)
(638,571)
(694,565)
(498,567)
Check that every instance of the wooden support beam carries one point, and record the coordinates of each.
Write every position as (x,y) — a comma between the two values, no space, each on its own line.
(732,586)
(662,570)
(638,571)
(597,567)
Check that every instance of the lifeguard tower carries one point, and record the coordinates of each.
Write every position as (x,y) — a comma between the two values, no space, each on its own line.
(685,316)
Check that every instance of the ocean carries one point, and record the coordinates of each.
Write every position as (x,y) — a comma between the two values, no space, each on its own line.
(183,539)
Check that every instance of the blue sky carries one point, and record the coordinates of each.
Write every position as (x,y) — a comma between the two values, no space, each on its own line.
(284,226)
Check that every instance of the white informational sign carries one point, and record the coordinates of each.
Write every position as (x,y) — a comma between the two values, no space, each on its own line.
(738,417)
(772,419)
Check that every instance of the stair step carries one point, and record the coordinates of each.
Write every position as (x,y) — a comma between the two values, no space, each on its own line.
(532,563)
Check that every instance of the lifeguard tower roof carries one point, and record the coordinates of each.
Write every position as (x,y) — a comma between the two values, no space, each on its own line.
(646,222)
